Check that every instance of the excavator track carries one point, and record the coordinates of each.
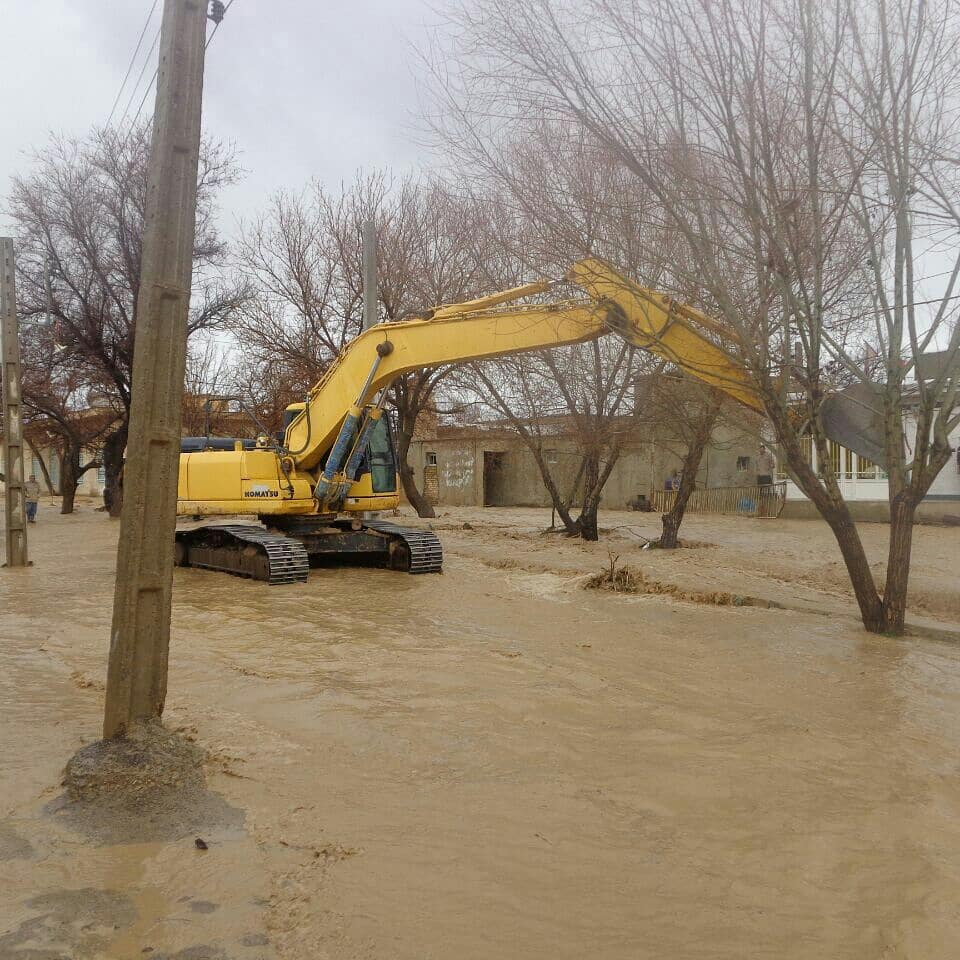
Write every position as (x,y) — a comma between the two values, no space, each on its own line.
(244,551)
(422,547)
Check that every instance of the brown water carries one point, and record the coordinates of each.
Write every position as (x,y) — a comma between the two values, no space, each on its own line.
(496,763)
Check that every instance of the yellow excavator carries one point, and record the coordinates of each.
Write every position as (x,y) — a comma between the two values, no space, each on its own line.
(334,461)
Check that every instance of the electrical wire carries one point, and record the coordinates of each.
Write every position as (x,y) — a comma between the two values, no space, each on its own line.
(216,26)
(143,100)
(126,77)
(156,72)
(143,70)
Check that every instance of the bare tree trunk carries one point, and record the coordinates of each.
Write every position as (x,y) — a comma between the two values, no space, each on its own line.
(587,521)
(561,506)
(69,476)
(113,470)
(855,559)
(672,519)
(45,472)
(834,510)
(592,491)
(572,495)
(415,498)
(894,607)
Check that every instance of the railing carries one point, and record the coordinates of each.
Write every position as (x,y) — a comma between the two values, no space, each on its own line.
(754,501)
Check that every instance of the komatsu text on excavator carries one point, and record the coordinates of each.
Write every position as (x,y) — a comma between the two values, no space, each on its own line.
(335,460)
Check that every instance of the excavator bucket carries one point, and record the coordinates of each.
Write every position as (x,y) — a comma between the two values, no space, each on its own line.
(854,419)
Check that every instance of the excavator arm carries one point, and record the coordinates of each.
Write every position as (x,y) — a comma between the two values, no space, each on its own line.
(495,326)
(665,327)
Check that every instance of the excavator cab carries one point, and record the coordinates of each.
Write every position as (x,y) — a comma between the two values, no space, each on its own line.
(377,475)
(289,415)
(380,460)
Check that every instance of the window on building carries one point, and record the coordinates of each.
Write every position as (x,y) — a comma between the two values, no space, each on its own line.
(550,455)
(834,450)
(35,467)
(868,470)
(101,476)
(431,458)
(743,464)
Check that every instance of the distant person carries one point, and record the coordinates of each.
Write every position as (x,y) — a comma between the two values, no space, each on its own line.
(766,467)
(31,493)
(672,482)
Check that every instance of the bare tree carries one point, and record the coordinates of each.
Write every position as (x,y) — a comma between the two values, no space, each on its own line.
(304,255)
(551,197)
(208,375)
(688,416)
(64,411)
(79,220)
(587,393)
(803,157)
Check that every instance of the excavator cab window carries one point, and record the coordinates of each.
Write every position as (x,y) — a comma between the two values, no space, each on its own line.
(290,414)
(381,461)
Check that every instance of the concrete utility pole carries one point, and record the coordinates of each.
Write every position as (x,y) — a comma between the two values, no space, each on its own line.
(370,290)
(14,503)
(140,636)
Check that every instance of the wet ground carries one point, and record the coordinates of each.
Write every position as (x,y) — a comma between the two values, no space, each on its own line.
(497,763)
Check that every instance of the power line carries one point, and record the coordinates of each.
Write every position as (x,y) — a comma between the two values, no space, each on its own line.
(126,77)
(216,26)
(153,79)
(143,70)
(143,100)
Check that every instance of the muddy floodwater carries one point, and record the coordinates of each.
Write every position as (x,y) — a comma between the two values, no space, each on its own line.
(498,763)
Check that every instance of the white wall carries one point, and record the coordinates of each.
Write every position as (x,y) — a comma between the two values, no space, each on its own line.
(947,483)
(945,486)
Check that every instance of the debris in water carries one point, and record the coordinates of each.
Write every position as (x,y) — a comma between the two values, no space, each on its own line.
(625,579)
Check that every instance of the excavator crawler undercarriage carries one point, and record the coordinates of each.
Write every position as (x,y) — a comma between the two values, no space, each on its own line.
(284,554)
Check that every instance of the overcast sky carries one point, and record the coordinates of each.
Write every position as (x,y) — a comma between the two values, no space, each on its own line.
(302,88)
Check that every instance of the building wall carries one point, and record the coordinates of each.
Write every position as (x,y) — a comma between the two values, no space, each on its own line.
(878,511)
(946,486)
(872,490)
(643,466)
(91,484)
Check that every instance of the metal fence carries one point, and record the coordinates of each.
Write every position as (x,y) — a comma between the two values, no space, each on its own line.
(754,501)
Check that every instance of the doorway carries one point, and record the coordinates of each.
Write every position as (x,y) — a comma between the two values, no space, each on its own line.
(494,478)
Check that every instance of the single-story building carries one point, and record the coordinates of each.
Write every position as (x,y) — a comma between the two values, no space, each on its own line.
(91,483)
(488,464)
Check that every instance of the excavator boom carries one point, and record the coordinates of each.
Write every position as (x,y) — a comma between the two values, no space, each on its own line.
(418,344)
(482,328)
